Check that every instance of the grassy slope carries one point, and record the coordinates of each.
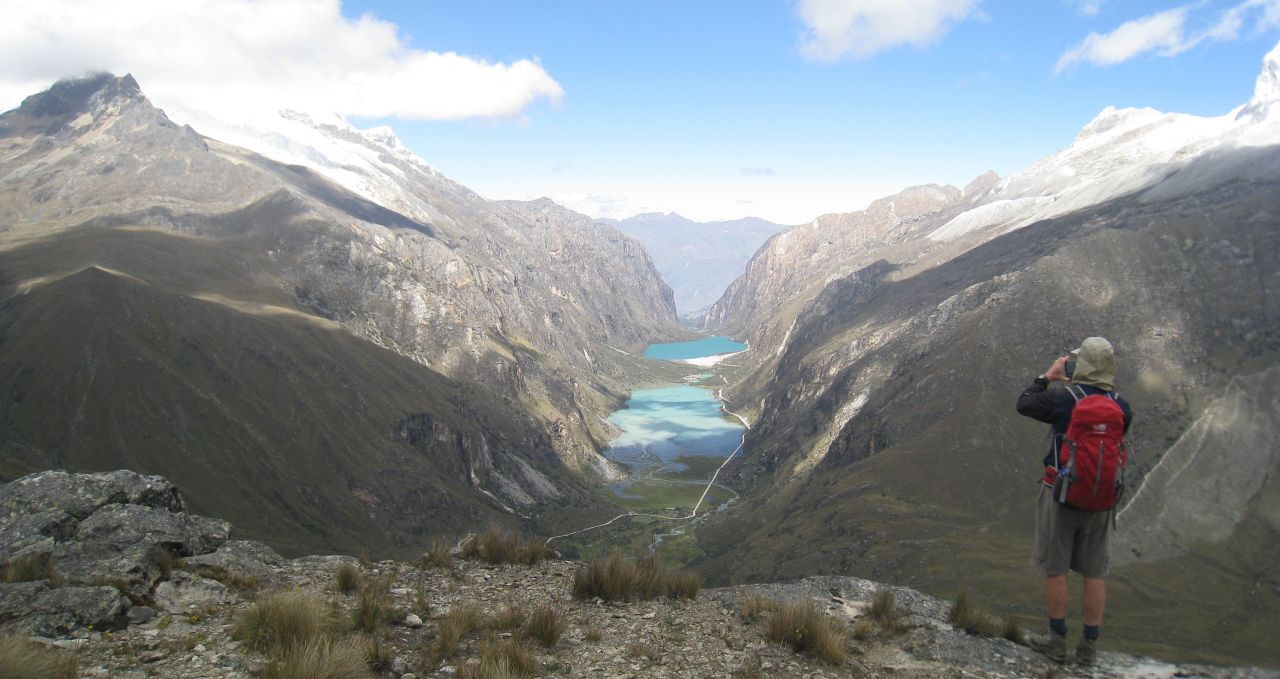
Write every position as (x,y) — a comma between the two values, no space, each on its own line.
(295,431)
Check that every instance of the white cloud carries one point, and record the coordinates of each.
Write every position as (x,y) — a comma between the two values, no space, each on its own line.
(221,54)
(1089,7)
(860,28)
(1167,33)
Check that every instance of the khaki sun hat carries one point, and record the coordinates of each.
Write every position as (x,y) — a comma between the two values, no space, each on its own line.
(1095,364)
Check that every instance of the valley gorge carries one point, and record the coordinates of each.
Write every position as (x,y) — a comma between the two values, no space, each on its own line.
(321,339)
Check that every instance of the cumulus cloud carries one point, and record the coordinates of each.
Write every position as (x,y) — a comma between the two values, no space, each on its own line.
(1168,33)
(220,54)
(839,29)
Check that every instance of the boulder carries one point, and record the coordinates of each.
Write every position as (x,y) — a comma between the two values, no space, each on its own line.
(41,609)
(241,557)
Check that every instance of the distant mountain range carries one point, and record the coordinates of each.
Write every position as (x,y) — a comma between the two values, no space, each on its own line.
(889,345)
(351,352)
(697,259)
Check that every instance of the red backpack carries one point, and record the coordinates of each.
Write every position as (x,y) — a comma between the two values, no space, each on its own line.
(1093,454)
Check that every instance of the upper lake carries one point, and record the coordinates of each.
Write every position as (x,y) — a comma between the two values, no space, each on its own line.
(707,346)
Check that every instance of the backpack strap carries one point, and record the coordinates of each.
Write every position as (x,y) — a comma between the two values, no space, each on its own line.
(1076,392)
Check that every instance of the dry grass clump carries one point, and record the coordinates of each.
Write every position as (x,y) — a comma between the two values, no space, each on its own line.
(593,635)
(29,568)
(376,656)
(321,658)
(546,625)
(237,581)
(374,606)
(21,658)
(511,618)
(974,619)
(884,610)
(754,606)
(801,626)
(498,546)
(617,578)
(506,659)
(646,651)
(282,620)
(461,620)
(348,578)
(439,553)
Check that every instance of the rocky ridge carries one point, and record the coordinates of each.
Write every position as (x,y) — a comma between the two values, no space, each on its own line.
(180,624)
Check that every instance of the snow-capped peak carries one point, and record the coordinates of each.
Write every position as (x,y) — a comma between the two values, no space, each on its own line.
(1122,151)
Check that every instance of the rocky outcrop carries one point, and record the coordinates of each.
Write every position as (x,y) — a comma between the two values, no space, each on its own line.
(106,541)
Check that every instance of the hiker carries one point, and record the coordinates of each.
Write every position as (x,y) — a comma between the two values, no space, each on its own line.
(1075,509)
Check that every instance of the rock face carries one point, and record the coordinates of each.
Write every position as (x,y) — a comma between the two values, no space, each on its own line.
(366,372)
(882,395)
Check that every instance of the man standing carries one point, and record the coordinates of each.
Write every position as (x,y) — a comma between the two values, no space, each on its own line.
(1068,537)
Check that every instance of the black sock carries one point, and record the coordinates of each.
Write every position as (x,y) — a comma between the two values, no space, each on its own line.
(1059,626)
(1091,632)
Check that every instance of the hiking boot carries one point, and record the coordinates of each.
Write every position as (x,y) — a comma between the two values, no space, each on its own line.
(1087,651)
(1052,645)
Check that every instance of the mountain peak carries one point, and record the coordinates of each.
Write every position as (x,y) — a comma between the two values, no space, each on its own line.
(48,111)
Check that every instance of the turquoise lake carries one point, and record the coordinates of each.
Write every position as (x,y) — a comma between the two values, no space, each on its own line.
(707,346)
(662,424)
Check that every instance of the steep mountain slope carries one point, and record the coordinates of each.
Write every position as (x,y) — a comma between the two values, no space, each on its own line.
(697,259)
(886,442)
(511,307)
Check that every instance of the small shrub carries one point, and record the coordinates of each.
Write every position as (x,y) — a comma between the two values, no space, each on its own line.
(29,568)
(593,635)
(510,618)
(498,546)
(506,659)
(613,577)
(884,610)
(421,604)
(439,553)
(801,626)
(642,651)
(461,620)
(348,578)
(973,619)
(281,621)
(168,561)
(754,606)
(546,624)
(373,606)
(321,658)
(24,659)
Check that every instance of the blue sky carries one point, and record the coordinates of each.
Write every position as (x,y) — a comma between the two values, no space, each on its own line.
(718,109)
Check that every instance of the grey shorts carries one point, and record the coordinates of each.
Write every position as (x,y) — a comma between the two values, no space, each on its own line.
(1071,539)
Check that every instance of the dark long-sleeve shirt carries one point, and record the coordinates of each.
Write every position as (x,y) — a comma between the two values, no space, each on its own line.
(1053,405)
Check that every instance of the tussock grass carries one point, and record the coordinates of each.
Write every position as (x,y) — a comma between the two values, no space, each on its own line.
(374,607)
(973,619)
(498,546)
(511,618)
(168,561)
(864,629)
(21,658)
(506,659)
(321,658)
(376,656)
(546,624)
(593,635)
(884,611)
(29,568)
(614,577)
(801,626)
(754,606)
(282,620)
(1013,632)
(461,620)
(439,553)
(348,578)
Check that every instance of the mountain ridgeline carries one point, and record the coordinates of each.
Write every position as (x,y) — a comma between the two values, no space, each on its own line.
(328,371)
(889,347)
